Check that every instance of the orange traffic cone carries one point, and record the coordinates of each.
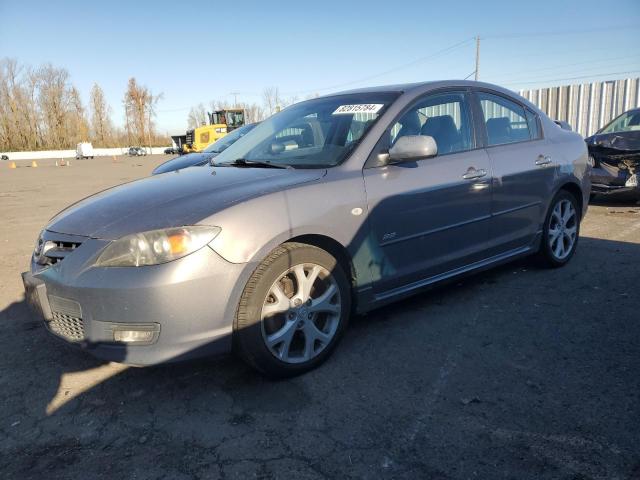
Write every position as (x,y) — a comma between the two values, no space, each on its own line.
(34,164)
(12,165)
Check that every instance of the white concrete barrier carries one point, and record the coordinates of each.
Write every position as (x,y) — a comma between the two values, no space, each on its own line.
(98,152)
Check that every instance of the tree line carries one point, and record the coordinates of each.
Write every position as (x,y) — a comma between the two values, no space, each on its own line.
(40,109)
(272,101)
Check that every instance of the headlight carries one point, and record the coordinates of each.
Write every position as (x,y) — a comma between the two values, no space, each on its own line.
(156,246)
(39,242)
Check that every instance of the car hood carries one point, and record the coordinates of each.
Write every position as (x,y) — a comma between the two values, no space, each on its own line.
(613,149)
(184,197)
(184,161)
(616,141)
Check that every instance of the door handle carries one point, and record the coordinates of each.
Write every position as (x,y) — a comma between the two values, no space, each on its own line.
(543,160)
(472,173)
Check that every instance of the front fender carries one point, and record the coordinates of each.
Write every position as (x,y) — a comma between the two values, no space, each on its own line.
(333,207)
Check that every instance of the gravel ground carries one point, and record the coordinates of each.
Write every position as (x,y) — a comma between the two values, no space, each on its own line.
(515,373)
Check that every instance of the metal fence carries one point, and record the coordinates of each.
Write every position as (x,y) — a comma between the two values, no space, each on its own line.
(589,106)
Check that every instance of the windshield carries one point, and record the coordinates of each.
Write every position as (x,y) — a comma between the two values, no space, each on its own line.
(627,122)
(229,139)
(316,133)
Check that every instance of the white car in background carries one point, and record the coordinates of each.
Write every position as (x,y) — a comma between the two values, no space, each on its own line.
(84,150)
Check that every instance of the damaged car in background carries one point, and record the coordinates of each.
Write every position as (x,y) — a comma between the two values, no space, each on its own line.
(614,154)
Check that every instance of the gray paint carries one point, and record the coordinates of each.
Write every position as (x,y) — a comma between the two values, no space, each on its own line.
(421,222)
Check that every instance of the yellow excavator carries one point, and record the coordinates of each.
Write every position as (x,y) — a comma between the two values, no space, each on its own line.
(221,122)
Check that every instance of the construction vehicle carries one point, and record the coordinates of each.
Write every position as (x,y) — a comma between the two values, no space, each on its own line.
(221,122)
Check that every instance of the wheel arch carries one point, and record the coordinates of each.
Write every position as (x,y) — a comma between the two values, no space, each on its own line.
(332,246)
(575,190)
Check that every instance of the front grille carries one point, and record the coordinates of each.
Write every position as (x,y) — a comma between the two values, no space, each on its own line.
(66,318)
(67,326)
(59,251)
(190,137)
(52,247)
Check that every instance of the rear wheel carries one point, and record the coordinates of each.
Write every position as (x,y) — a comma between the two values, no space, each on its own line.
(561,230)
(293,311)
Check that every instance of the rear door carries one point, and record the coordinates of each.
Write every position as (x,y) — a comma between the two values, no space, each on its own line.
(523,170)
(429,216)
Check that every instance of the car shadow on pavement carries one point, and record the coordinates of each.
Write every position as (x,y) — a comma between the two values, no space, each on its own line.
(625,199)
(444,375)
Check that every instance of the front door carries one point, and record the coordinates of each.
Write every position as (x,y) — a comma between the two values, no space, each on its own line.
(429,216)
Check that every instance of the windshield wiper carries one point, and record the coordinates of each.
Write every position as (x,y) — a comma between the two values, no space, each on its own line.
(243,162)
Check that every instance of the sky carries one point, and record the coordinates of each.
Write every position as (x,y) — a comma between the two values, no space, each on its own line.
(194,52)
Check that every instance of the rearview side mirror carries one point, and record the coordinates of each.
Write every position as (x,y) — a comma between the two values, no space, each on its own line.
(413,147)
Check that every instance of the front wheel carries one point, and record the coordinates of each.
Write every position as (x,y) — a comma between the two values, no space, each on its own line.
(293,311)
(561,230)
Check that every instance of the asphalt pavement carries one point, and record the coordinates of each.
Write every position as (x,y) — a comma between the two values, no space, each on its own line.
(519,373)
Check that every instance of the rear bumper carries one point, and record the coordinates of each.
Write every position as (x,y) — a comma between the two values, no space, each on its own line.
(188,306)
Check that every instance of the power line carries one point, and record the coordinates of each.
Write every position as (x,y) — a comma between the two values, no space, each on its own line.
(577,78)
(581,70)
(560,32)
(391,70)
(594,69)
(607,60)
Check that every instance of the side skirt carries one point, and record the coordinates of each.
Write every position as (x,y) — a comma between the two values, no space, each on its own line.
(383,298)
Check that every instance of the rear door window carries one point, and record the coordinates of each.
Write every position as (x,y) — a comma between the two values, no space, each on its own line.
(505,121)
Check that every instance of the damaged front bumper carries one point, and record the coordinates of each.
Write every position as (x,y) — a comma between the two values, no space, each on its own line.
(614,170)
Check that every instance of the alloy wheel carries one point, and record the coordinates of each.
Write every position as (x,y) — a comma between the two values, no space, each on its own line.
(301,313)
(563,229)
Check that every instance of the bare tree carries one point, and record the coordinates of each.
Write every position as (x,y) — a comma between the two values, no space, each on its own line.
(253,112)
(53,101)
(140,109)
(78,126)
(271,99)
(197,116)
(101,126)
(18,107)
(41,109)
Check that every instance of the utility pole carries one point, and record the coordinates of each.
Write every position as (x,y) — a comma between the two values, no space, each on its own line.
(235,98)
(477,57)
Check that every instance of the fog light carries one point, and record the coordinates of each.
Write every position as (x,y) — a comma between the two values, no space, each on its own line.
(144,334)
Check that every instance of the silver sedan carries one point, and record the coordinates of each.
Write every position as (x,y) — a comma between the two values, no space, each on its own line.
(335,205)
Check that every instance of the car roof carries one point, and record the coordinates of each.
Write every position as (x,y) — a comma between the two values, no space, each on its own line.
(419,88)
(423,86)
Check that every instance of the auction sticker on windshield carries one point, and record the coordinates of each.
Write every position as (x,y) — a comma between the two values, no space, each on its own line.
(362,108)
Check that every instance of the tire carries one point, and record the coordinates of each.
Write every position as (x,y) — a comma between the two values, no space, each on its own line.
(552,254)
(278,333)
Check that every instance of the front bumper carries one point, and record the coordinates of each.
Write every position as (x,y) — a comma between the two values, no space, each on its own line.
(189,304)
(608,179)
